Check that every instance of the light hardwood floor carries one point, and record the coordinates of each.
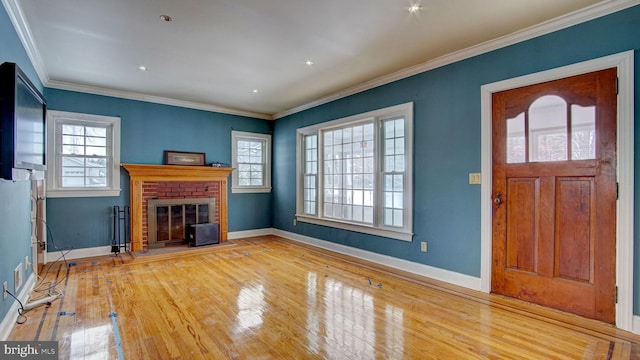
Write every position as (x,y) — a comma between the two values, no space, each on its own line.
(269,298)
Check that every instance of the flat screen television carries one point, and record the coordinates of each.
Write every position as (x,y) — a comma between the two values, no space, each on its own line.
(22,126)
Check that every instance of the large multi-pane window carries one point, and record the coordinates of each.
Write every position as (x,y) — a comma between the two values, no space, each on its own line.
(251,155)
(356,173)
(83,155)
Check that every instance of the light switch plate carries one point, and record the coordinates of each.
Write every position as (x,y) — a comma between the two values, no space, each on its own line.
(475,178)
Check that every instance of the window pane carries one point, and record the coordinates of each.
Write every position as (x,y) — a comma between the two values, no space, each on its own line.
(548,129)
(515,140)
(73,140)
(72,130)
(368,215)
(256,181)
(388,217)
(89,147)
(328,196)
(97,141)
(367,132)
(96,172)
(250,161)
(399,163)
(399,145)
(72,161)
(96,151)
(96,131)
(96,162)
(399,127)
(72,172)
(357,213)
(583,132)
(72,150)
(397,218)
(347,172)
(357,133)
(73,181)
(328,138)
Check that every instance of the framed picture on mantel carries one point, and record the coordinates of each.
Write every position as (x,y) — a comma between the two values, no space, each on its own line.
(184,158)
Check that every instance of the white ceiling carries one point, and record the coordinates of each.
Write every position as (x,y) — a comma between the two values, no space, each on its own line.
(216,52)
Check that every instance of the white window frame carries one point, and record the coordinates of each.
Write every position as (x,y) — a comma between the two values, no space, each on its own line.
(54,187)
(266,155)
(378,117)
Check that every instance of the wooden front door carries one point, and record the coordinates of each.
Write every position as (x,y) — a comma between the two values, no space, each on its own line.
(554,193)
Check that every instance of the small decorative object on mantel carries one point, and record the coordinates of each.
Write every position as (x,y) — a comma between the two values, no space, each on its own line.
(219,164)
(184,158)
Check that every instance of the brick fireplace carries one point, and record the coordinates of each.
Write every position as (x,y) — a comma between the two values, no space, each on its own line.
(155,182)
(200,197)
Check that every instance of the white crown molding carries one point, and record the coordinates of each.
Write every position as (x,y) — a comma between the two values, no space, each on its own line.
(589,13)
(24,33)
(153,99)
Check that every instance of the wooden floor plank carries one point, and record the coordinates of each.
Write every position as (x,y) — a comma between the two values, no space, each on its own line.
(270,298)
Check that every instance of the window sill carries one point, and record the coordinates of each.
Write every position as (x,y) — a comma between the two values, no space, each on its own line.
(82,193)
(246,190)
(398,235)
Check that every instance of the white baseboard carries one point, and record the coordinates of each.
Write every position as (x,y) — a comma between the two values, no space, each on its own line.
(249,233)
(79,253)
(636,324)
(448,276)
(106,250)
(10,318)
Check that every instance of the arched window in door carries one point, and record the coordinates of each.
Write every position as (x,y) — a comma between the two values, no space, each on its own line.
(541,132)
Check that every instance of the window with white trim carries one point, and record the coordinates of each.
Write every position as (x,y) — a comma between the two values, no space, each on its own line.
(83,155)
(251,158)
(356,173)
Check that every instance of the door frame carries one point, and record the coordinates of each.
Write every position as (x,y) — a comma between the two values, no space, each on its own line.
(624,62)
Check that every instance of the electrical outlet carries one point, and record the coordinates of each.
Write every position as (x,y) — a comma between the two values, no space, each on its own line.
(423,246)
(4,290)
(17,278)
(295,222)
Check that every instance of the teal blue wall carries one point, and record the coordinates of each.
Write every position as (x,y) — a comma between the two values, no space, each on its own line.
(447,148)
(15,197)
(447,141)
(147,130)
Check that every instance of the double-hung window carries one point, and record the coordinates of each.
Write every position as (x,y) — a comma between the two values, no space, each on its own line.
(83,155)
(251,154)
(356,173)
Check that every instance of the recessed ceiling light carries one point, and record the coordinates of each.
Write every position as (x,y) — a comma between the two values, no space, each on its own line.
(414,8)
(166,18)
(255,91)
(308,62)
(143,68)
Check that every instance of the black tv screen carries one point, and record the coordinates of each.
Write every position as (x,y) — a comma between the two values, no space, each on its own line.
(23,112)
